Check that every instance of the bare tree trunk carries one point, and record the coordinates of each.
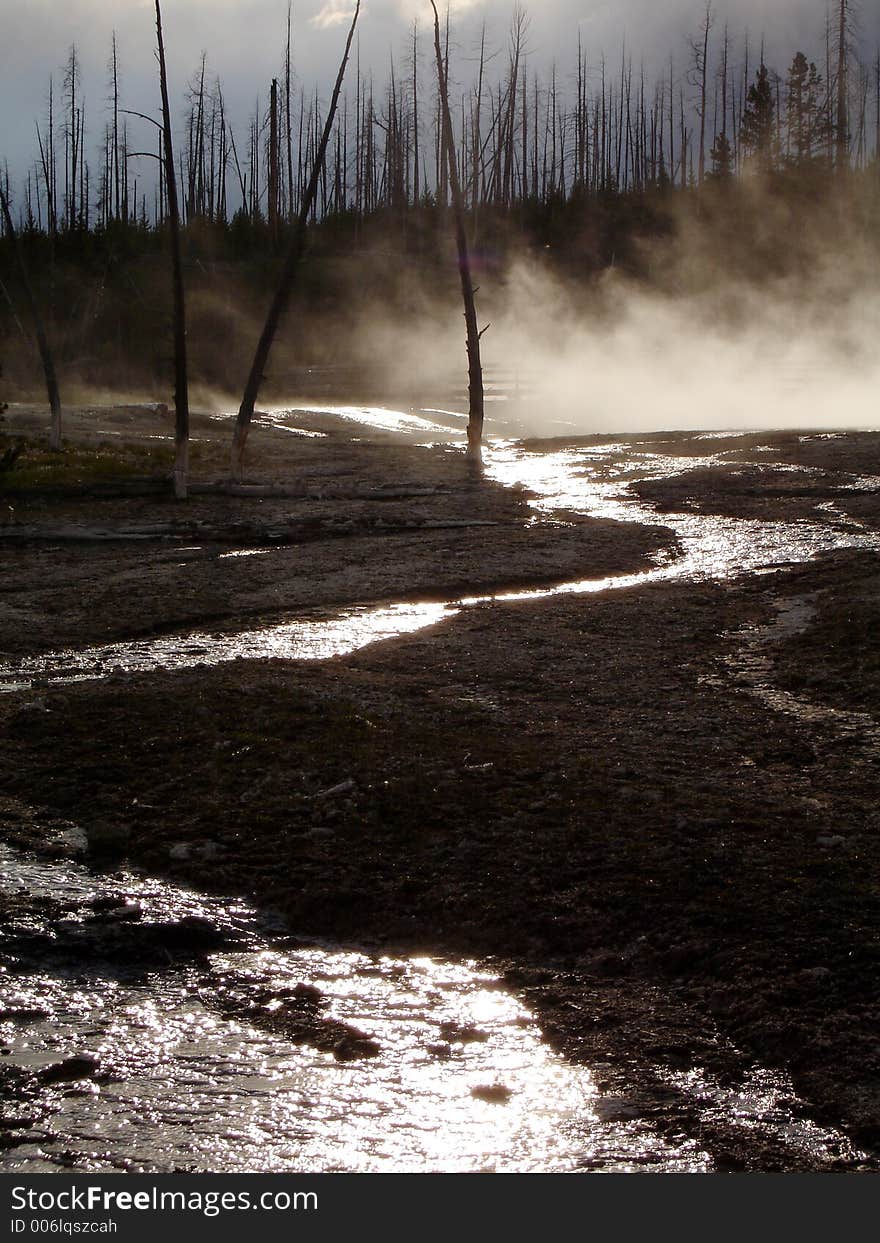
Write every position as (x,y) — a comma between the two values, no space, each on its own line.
(475,369)
(115,208)
(39,330)
(415,123)
(288,272)
(701,65)
(287,128)
(274,179)
(181,394)
(841,119)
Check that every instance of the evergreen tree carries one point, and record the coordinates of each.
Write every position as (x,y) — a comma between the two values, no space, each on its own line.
(806,116)
(758,133)
(721,156)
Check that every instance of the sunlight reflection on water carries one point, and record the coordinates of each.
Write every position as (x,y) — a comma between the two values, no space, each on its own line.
(591,480)
(462,1080)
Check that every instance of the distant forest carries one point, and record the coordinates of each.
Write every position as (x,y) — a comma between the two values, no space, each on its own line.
(584,162)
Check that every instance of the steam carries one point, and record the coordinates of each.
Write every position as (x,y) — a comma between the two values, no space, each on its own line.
(736,358)
(702,344)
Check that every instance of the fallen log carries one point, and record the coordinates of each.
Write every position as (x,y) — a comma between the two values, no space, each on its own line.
(242,535)
(106,489)
(304,492)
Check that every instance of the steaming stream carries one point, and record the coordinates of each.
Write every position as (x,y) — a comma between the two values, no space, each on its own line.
(174,1079)
(590,480)
(179,1073)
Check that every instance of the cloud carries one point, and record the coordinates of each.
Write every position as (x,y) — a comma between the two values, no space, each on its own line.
(333,13)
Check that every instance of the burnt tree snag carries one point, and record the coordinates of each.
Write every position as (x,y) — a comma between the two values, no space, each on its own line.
(181,394)
(39,330)
(288,273)
(475,368)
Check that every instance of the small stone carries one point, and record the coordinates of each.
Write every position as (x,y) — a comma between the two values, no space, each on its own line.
(463,1033)
(616,1109)
(492,1093)
(344,787)
(107,837)
(127,913)
(37,707)
(819,974)
(442,1051)
(81,1066)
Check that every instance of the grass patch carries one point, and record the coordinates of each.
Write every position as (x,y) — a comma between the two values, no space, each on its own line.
(36,469)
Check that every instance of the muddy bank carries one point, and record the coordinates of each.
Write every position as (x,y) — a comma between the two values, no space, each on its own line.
(452,535)
(587,789)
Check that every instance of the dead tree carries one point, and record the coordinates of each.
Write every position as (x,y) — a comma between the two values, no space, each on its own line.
(39,330)
(698,77)
(475,369)
(181,393)
(288,273)
(841,110)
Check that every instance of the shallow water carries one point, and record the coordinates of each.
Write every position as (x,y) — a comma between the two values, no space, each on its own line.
(592,480)
(751,665)
(461,1082)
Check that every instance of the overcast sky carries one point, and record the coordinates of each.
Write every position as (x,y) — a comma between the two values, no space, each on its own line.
(244,40)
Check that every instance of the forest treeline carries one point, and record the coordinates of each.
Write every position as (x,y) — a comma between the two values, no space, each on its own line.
(521,134)
(579,166)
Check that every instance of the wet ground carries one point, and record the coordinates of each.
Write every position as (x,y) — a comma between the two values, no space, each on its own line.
(591,847)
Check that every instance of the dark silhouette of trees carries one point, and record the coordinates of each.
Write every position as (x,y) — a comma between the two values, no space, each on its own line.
(758,133)
(845,20)
(806,115)
(699,75)
(475,369)
(181,391)
(569,158)
(721,156)
(575,132)
(288,272)
(39,329)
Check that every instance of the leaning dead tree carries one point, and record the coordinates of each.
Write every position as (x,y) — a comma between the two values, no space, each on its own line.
(475,367)
(288,272)
(39,330)
(181,393)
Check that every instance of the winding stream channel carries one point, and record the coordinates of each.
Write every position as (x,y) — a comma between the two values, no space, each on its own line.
(167,1053)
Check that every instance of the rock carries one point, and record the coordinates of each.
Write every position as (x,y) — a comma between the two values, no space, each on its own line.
(442,1051)
(308,994)
(128,912)
(111,838)
(463,1034)
(81,1066)
(337,791)
(492,1093)
(37,707)
(616,1109)
(351,1047)
(204,850)
(831,840)
(819,975)
(191,933)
